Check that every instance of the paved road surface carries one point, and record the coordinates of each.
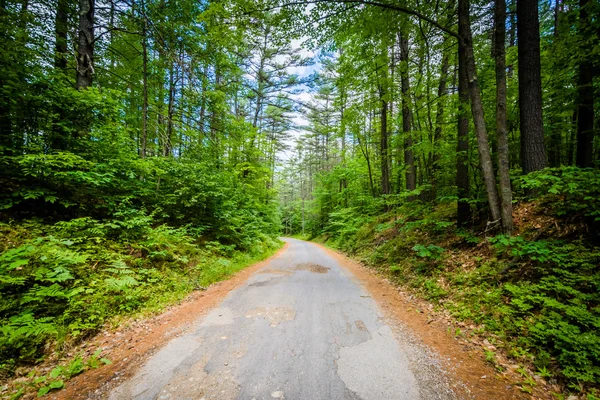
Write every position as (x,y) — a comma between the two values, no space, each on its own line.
(301,328)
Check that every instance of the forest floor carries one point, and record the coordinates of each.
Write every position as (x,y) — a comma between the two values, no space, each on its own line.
(437,357)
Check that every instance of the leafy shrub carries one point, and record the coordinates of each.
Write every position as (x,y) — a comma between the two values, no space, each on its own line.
(570,191)
(555,311)
(62,287)
(431,251)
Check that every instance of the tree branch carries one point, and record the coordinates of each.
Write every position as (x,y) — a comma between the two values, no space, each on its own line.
(375,4)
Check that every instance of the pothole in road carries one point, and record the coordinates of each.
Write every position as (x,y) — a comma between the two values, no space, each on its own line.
(268,282)
(275,271)
(196,383)
(360,325)
(310,267)
(273,315)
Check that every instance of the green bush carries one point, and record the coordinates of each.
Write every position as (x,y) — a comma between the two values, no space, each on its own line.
(570,191)
(60,287)
(554,304)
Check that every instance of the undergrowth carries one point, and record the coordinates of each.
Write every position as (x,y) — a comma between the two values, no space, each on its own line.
(535,295)
(60,283)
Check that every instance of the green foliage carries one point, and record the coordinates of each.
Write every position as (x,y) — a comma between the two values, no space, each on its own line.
(569,191)
(431,251)
(56,378)
(539,298)
(58,288)
(555,309)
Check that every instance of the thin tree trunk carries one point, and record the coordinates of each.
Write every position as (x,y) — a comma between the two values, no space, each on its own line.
(463,214)
(6,134)
(61,29)
(533,148)
(203,99)
(168,143)
(439,120)
(501,118)
(85,45)
(485,158)
(585,94)
(409,159)
(144,138)
(555,133)
(58,139)
(385,170)
(572,138)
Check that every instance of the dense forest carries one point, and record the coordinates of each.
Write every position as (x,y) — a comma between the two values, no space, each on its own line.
(151,147)
(454,148)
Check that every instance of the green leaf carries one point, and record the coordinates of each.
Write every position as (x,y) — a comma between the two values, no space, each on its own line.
(18,263)
(43,391)
(55,373)
(57,384)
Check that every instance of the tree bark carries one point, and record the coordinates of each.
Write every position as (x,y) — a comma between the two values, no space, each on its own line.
(144,137)
(6,134)
(385,170)
(501,116)
(585,94)
(485,158)
(555,127)
(168,144)
(463,214)
(437,135)
(61,30)
(409,159)
(59,137)
(533,148)
(85,45)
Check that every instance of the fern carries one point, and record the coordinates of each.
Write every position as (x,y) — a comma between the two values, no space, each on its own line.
(121,284)
(27,325)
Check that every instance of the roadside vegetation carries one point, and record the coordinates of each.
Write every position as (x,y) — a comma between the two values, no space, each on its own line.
(130,173)
(88,242)
(457,153)
(531,300)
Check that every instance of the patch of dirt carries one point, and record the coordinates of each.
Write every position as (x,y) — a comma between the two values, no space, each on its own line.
(129,346)
(310,267)
(360,325)
(197,384)
(274,315)
(472,376)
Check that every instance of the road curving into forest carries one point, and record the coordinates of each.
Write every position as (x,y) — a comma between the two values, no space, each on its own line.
(302,327)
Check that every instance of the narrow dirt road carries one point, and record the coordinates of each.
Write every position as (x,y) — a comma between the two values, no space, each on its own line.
(301,328)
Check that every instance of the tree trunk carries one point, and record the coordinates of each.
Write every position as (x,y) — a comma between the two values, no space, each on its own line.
(585,94)
(439,121)
(485,158)
(409,159)
(61,30)
(555,127)
(501,119)
(168,145)
(385,170)
(533,148)
(463,214)
(85,45)
(144,138)
(5,111)
(58,137)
